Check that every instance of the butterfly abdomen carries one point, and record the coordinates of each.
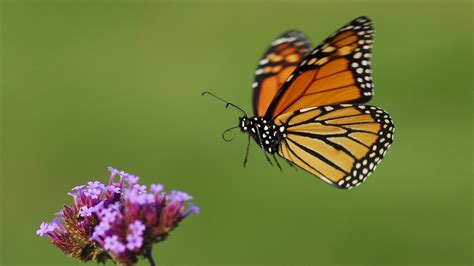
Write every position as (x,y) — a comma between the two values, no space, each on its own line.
(266,133)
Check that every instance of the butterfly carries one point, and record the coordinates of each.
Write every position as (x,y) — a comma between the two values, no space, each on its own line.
(309,110)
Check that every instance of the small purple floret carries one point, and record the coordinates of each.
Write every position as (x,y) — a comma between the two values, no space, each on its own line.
(77,188)
(137,227)
(156,188)
(112,244)
(112,170)
(132,180)
(114,189)
(140,188)
(85,211)
(45,228)
(180,196)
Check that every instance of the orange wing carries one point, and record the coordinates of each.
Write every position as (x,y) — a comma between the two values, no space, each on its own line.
(337,71)
(341,144)
(278,62)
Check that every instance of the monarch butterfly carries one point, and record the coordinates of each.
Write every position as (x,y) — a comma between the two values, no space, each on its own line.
(308,110)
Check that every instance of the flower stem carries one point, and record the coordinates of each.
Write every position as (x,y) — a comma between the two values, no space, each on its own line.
(149,256)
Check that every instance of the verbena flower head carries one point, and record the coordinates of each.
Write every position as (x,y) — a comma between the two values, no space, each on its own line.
(119,221)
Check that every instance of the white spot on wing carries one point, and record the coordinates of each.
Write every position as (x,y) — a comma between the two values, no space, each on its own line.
(307,109)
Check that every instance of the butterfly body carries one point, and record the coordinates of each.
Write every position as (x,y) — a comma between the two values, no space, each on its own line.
(264,132)
(309,105)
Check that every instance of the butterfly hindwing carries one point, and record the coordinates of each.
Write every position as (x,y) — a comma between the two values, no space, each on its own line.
(278,62)
(337,71)
(341,144)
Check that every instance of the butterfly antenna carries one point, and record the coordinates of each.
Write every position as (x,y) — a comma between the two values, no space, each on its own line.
(231,137)
(227,104)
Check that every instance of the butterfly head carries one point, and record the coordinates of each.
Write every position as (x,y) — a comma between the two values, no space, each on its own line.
(265,133)
(251,125)
(245,124)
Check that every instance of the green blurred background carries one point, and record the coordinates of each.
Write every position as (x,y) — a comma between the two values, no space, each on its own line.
(88,84)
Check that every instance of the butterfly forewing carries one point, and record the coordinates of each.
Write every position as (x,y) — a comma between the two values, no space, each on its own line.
(341,144)
(337,71)
(278,62)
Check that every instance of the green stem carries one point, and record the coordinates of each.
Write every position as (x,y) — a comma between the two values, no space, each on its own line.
(149,256)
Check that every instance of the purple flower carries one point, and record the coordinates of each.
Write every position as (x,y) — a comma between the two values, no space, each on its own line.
(112,244)
(77,188)
(95,184)
(119,221)
(45,228)
(140,188)
(115,206)
(134,242)
(114,189)
(156,188)
(193,209)
(112,170)
(94,193)
(57,224)
(132,180)
(137,227)
(73,195)
(123,174)
(100,230)
(149,198)
(108,214)
(134,197)
(180,196)
(86,211)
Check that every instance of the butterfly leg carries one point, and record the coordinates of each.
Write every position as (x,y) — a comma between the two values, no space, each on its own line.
(292,165)
(268,159)
(247,152)
(277,163)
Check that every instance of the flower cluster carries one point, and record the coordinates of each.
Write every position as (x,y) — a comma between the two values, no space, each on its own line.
(119,221)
